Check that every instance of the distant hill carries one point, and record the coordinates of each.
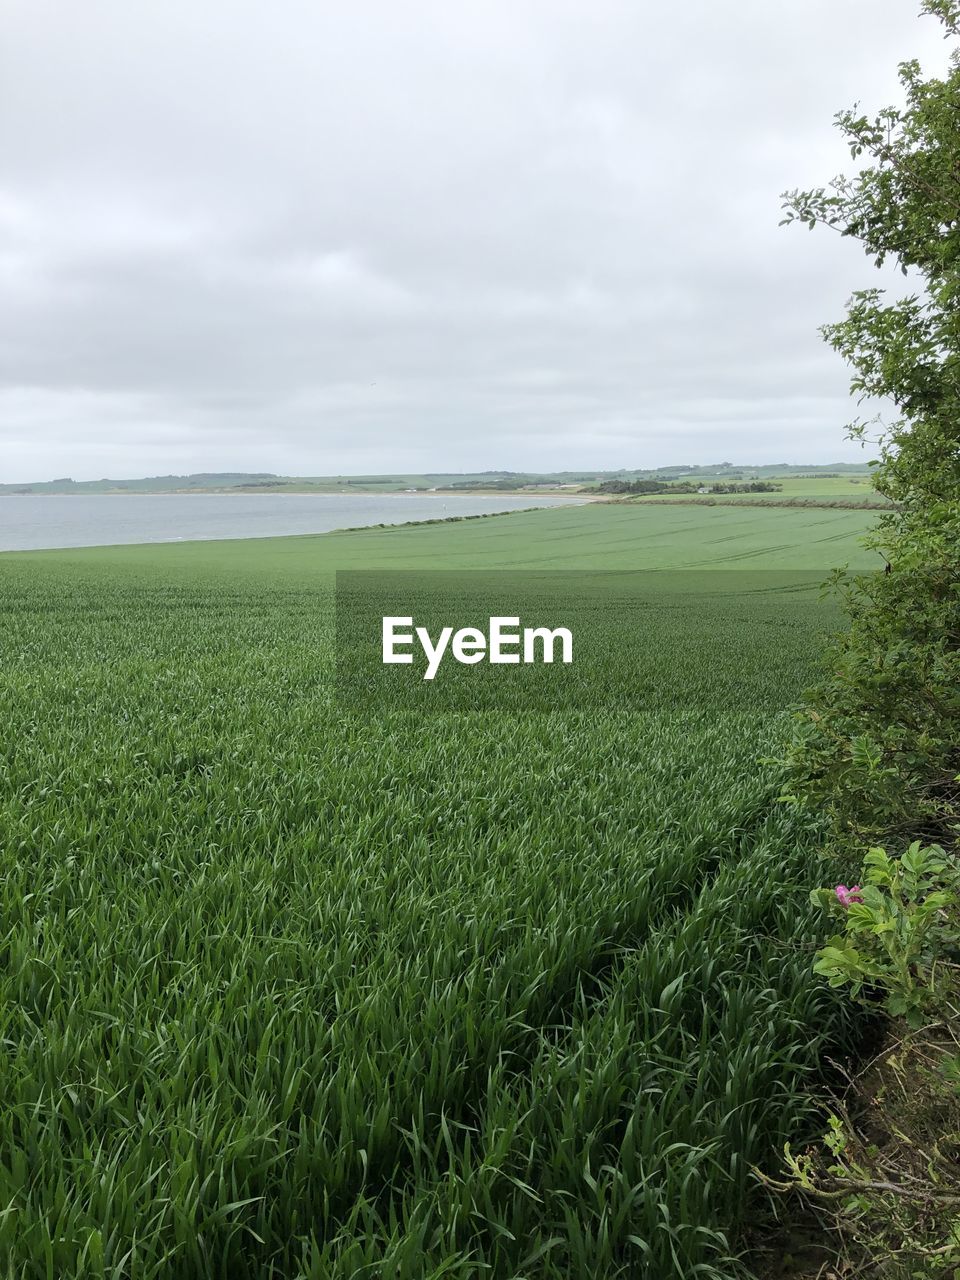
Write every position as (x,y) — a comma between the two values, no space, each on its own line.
(463,482)
(202,481)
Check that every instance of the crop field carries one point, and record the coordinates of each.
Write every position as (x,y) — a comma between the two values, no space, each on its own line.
(849,489)
(591,536)
(294,990)
(814,486)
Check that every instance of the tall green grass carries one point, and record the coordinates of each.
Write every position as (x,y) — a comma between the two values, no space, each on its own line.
(290,991)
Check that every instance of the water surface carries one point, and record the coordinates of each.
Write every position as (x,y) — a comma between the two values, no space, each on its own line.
(33,521)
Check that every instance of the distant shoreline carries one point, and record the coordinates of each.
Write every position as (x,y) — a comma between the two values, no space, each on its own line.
(586,484)
(285,492)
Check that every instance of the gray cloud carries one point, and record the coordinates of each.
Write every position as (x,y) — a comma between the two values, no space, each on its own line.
(320,237)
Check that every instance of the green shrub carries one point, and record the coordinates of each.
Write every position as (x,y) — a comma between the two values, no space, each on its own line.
(879,747)
(900,928)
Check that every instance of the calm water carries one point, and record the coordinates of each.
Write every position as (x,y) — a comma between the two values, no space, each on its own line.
(31,521)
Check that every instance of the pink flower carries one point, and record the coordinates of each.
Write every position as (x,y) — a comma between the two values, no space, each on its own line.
(846,897)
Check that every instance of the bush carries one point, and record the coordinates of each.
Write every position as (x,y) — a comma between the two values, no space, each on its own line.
(899,931)
(888,1165)
(879,747)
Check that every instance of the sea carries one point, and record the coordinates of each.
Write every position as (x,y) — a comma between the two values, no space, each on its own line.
(31,522)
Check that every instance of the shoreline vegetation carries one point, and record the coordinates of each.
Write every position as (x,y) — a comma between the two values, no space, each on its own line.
(728,477)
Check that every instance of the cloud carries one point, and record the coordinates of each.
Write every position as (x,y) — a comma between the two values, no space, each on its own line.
(321,238)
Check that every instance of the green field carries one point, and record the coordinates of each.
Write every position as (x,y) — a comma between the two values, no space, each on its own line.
(592,536)
(294,991)
(847,489)
(814,486)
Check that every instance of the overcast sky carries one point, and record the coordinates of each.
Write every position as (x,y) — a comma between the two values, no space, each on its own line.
(335,236)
